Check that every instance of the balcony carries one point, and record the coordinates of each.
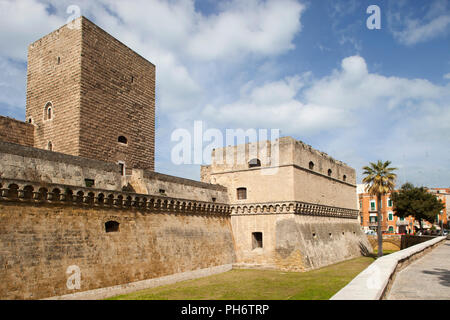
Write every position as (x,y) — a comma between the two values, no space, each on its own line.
(402,223)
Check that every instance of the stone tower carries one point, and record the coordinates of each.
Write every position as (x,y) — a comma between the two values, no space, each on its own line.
(89,95)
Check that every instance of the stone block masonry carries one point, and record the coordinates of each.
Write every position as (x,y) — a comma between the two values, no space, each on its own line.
(14,131)
(40,239)
(90,95)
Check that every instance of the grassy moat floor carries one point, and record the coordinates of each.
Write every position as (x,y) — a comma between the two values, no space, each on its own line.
(239,284)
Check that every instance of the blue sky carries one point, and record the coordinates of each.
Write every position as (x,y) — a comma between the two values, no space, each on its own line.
(309,68)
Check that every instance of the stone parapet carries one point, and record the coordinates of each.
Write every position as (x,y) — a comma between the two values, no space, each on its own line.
(294,207)
(14,190)
(375,281)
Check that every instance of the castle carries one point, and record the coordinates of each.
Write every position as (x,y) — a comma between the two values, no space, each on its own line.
(79,191)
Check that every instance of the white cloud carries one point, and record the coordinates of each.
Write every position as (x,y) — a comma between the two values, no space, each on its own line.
(349,96)
(447,76)
(247,27)
(415,32)
(12,90)
(409,29)
(174,35)
(23,22)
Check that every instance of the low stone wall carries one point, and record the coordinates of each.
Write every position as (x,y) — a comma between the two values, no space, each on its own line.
(394,242)
(390,242)
(409,240)
(375,281)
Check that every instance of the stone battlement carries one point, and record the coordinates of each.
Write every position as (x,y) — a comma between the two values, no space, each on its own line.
(294,207)
(13,190)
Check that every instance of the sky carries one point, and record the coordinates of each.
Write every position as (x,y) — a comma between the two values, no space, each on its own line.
(312,69)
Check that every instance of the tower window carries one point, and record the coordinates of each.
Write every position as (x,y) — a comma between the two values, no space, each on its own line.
(242,193)
(123,140)
(112,226)
(329,172)
(50,146)
(122,168)
(254,163)
(344,178)
(257,240)
(48,111)
(58,60)
(311,165)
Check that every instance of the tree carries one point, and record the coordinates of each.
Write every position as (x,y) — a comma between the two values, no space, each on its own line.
(380,180)
(416,202)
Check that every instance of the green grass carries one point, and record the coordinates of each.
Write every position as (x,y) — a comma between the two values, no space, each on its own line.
(238,284)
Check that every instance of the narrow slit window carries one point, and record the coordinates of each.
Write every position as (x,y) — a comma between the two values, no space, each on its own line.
(122,168)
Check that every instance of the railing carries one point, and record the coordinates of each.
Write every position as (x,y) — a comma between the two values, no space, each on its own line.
(12,190)
(294,207)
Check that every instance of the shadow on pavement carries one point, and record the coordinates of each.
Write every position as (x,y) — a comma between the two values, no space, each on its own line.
(443,274)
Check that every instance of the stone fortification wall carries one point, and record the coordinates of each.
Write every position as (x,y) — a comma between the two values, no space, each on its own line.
(15,131)
(296,236)
(47,232)
(31,164)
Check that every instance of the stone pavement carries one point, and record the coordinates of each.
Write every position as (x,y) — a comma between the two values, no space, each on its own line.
(425,279)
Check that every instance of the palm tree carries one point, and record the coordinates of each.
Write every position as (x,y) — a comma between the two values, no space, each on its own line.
(380,180)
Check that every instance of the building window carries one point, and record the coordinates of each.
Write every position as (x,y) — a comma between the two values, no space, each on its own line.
(122,140)
(162,191)
(214,199)
(311,165)
(122,168)
(112,226)
(242,193)
(50,146)
(254,163)
(58,60)
(402,218)
(48,111)
(372,205)
(391,229)
(257,240)
(89,182)
(391,216)
(329,172)
(389,202)
(344,178)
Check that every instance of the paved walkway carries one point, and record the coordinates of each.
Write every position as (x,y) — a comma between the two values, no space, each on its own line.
(425,279)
